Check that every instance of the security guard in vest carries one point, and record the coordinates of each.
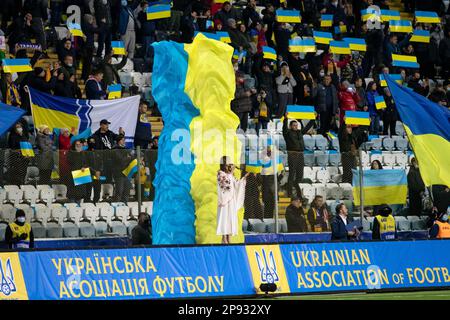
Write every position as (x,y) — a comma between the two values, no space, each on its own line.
(384,224)
(19,233)
(441,227)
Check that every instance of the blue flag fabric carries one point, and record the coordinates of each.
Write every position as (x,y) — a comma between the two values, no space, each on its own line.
(427,125)
(9,115)
(83,135)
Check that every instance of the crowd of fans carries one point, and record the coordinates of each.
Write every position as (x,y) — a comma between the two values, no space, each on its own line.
(332,83)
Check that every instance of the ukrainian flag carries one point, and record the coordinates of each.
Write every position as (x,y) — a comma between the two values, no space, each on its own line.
(340,47)
(380,186)
(209,24)
(16,65)
(380,103)
(390,15)
(302,45)
(340,29)
(397,77)
(252,165)
(269,165)
(420,36)
(223,36)
(326,20)
(131,169)
(356,44)
(118,47)
(301,112)
(26,149)
(158,11)
(371,14)
(81,177)
(399,60)
(290,16)
(322,37)
(427,17)
(208,35)
(332,135)
(427,125)
(75,30)
(404,26)
(115,91)
(357,118)
(269,53)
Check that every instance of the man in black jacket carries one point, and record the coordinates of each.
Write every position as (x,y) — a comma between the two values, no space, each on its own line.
(38,9)
(339,225)
(416,188)
(121,158)
(295,147)
(142,233)
(295,217)
(350,139)
(103,17)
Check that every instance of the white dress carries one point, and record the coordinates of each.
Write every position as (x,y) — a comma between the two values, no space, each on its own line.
(231,193)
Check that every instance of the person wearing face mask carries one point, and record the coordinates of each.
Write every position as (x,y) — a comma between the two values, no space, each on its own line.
(441,227)
(121,158)
(416,188)
(65,48)
(285,88)
(19,234)
(17,162)
(127,28)
(142,233)
(45,163)
(68,67)
(77,161)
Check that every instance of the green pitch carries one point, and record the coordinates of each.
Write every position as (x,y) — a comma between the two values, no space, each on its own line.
(418,295)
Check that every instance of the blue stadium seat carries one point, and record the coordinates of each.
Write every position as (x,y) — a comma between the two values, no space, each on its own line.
(321,142)
(259,227)
(309,158)
(401,144)
(321,158)
(388,144)
(376,143)
(309,142)
(334,158)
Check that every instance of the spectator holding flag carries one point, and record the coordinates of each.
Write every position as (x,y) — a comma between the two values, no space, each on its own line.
(18,162)
(94,88)
(121,158)
(375,115)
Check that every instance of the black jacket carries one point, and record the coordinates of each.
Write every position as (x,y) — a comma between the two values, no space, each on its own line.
(121,158)
(104,141)
(295,219)
(40,84)
(358,136)
(141,235)
(37,8)
(294,138)
(338,228)
(103,11)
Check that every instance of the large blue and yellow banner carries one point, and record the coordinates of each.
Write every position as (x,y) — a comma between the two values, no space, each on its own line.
(221,271)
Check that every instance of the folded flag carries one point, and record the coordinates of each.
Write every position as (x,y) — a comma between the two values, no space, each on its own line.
(404,26)
(427,17)
(340,29)
(252,165)
(269,53)
(302,45)
(357,118)
(340,47)
(380,103)
(356,44)
(115,91)
(158,11)
(397,77)
(389,15)
(301,112)
(420,36)
(387,186)
(326,20)
(81,177)
(118,47)
(399,60)
(289,16)
(427,126)
(209,35)
(223,36)
(26,149)
(75,30)
(322,37)
(9,115)
(131,169)
(16,65)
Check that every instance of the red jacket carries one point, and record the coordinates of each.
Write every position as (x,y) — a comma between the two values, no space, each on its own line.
(347,101)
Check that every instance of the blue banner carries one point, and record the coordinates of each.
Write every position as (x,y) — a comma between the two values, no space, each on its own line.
(136,273)
(366,265)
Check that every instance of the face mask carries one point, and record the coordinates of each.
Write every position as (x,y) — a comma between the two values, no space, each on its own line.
(84,148)
(124,3)
(19,130)
(78,149)
(21,219)
(322,73)
(69,65)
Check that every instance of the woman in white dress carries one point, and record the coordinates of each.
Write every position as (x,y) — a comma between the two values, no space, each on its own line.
(231,193)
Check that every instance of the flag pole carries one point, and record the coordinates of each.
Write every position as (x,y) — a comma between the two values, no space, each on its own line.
(361,181)
(27,89)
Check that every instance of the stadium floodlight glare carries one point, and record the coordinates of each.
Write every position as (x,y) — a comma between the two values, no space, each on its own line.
(268,287)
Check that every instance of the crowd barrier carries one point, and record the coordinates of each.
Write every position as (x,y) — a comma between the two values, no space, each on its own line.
(210,271)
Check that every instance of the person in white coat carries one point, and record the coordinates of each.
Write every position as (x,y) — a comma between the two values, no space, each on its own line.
(231,194)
